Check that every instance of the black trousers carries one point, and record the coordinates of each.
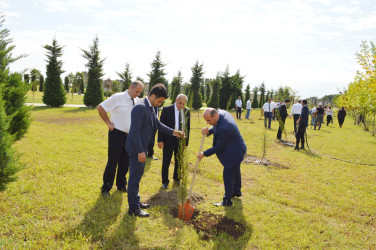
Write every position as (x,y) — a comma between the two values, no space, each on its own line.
(300,134)
(232,181)
(168,150)
(279,134)
(329,119)
(296,118)
(117,159)
(238,112)
(151,146)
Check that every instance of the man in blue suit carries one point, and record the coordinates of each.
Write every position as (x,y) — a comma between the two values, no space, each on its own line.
(143,126)
(230,149)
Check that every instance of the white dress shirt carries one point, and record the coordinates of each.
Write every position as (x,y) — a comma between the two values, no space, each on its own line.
(296,109)
(120,106)
(249,105)
(177,118)
(268,107)
(238,103)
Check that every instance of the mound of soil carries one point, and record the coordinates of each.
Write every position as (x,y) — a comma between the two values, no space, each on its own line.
(265,162)
(205,222)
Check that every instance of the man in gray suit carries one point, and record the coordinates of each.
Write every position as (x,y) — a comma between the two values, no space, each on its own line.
(143,127)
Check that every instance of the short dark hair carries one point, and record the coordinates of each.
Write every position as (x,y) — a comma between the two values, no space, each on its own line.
(159,90)
(300,101)
(287,100)
(305,102)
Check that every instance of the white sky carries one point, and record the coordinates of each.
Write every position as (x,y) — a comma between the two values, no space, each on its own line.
(309,45)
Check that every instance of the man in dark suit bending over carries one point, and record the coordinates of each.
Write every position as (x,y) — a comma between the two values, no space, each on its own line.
(143,127)
(230,149)
(175,116)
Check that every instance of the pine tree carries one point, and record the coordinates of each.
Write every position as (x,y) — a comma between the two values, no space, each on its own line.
(254,103)
(82,84)
(225,91)
(262,94)
(26,78)
(196,79)
(176,86)
(214,99)
(202,90)
(236,89)
(54,93)
(157,73)
(94,91)
(126,76)
(247,95)
(41,83)
(66,84)
(207,91)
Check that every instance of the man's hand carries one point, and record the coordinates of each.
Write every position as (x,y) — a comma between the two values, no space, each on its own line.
(178,133)
(290,116)
(205,131)
(160,145)
(110,126)
(142,157)
(200,156)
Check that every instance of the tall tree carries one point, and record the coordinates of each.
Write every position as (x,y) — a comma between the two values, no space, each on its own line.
(126,76)
(214,99)
(94,91)
(41,83)
(35,76)
(207,91)
(196,79)
(236,89)
(202,90)
(247,95)
(54,93)
(157,72)
(254,103)
(26,78)
(225,91)
(115,86)
(66,84)
(176,86)
(262,94)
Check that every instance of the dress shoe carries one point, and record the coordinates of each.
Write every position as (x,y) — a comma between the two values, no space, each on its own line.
(296,148)
(164,186)
(123,190)
(106,194)
(237,195)
(138,213)
(177,183)
(144,205)
(223,204)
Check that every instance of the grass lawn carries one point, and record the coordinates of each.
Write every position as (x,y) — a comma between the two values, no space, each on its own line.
(313,202)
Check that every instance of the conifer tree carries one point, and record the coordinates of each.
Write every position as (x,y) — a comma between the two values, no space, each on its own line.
(236,89)
(157,73)
(262,94)
(126,76)
(41,83)
(214,99)
(196,79)
(54,93)
(94,91)
(176,86)
(247,95)
(66,84)
(225,91)
(26,78)
(254,103)
(207,91)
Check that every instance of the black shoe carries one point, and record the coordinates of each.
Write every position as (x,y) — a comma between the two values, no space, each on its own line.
(164,186)
(222,204)
(144,205)
(296,148)
(177,183)
(106,194)
(237,195)
(138,213)
(123,190)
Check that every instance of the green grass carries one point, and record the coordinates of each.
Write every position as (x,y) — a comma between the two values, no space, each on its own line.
(317,202)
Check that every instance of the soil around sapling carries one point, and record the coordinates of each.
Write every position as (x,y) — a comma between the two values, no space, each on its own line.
(265,162)
(205,223)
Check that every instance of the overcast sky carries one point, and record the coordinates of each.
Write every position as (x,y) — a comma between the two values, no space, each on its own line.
(309,45)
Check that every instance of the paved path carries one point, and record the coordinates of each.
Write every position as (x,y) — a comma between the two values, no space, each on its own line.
(65,105)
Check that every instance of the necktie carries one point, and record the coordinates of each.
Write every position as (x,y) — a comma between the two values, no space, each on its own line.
(180,121)
(269,108)
(132,101)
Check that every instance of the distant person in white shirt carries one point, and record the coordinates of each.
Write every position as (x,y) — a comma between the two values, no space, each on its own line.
(238,104)
(119,106)
(329,115)
(249,108)
(268,112)
(296,110)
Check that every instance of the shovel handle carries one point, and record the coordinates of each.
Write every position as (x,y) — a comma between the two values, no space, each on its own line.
(195,169)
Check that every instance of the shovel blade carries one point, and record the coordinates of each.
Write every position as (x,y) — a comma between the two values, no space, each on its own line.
(185,211)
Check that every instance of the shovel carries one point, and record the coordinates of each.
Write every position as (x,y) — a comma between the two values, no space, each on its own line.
(186,210)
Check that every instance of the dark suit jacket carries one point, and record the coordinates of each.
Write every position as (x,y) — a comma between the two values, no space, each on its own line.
(228,144)
(143,126)
(168,118)
(283,111)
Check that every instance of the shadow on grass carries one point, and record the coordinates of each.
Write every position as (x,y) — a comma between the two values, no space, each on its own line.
(41,108)
(309,153)
(77,110)
(98,219)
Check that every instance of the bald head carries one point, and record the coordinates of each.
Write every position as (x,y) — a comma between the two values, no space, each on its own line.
(211,116)
(135,89)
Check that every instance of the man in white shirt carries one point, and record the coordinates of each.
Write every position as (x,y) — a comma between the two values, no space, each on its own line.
(119,106)
(238,105)
(296,110)
(268,112)
(249,108)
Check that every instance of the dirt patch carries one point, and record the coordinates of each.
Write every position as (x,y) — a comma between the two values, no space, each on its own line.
(265,162)
(204,222)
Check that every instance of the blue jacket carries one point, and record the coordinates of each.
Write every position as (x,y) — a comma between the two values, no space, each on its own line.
(143,127)
(304,115)
(228,144)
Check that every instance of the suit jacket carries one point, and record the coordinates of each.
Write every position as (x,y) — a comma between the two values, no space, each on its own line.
(143,126)
(168,118)
(283,111)
(228,144)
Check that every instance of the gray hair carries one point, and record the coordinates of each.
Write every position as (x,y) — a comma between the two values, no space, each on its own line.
(182,96)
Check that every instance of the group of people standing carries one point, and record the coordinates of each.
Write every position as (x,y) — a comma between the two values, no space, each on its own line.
(132,128)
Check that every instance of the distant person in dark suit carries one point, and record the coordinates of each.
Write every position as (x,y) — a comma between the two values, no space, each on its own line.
(283,115)
(175,116)
(230,148)
(302,124)
(143,127)
(341,116)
